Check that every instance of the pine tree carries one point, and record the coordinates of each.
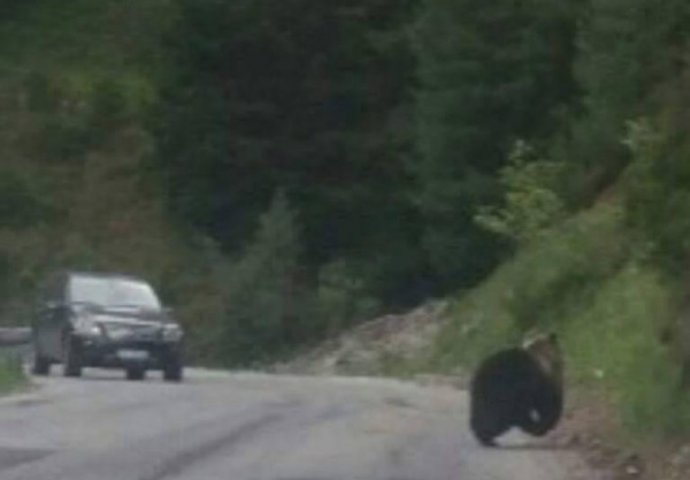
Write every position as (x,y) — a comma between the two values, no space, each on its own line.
(306,96)
(489,73)
(626,49)
(266,298)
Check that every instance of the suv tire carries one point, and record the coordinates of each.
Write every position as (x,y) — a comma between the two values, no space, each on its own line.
(40,366)
(172,370)
(72,361)
(136,373)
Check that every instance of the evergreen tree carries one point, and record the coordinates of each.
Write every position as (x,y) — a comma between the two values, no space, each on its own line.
(626,49)
(266,300)
(489,73)
(301,95)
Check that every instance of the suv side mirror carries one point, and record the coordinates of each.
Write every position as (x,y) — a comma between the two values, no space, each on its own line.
(53,306)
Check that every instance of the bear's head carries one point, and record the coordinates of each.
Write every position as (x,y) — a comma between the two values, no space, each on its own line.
(546,350)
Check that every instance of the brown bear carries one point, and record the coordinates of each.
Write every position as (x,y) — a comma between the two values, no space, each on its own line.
(518,387)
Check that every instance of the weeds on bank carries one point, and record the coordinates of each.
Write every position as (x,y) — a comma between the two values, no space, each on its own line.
(581,279)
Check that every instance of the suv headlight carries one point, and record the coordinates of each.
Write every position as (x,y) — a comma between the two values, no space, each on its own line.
(86,325)
(172,333)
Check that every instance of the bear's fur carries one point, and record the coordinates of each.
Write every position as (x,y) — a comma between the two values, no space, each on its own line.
(518,387)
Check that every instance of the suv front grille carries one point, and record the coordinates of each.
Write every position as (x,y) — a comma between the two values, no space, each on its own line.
(136,333)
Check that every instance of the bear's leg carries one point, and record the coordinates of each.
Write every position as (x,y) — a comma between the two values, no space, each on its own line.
(543,414)
(531,422)
(486,425)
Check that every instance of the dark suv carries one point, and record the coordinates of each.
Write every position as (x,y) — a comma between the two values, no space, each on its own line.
(105,320)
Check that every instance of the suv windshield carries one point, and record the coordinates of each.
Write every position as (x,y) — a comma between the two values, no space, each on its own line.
(113,292)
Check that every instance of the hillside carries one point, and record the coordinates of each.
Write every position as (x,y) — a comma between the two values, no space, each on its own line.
(621,320)
(391,345)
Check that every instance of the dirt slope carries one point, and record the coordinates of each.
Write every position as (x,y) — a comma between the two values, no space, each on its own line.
(383,346)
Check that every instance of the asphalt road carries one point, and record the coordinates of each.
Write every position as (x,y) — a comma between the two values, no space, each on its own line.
(255,427)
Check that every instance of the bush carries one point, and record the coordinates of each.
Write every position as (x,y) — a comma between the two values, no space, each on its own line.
(531,203)
(658,191)
(12,373)
(342,298)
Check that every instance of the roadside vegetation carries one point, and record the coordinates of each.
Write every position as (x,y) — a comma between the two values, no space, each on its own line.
(12,374)
(283,171)
(595,215)
(610,308)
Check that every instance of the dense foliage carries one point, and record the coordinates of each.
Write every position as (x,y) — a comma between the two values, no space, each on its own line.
(284,169)
(303,96)
(490,73)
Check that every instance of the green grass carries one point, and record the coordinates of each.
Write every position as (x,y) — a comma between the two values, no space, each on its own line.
(12,376)
(583,280)
(535,288)
(614,341)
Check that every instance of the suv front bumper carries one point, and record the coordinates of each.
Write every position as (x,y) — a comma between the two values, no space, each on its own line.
(106,353)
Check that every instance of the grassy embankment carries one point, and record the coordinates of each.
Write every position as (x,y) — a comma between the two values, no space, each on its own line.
(589,281)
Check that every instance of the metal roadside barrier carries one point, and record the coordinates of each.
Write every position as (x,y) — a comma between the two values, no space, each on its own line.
(15,342)
(13,336)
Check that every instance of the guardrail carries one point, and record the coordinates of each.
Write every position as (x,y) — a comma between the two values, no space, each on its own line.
(15,343)
(14,336)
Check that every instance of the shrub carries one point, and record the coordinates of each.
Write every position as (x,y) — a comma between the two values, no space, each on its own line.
(12,373)
(531,203)
(342,298)
(658,191)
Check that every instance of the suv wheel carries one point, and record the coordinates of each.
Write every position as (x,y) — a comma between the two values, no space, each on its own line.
(136,373)
(172,370)
(72,361)
(41,365)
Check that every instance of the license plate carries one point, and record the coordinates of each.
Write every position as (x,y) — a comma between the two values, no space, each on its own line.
(133,355)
